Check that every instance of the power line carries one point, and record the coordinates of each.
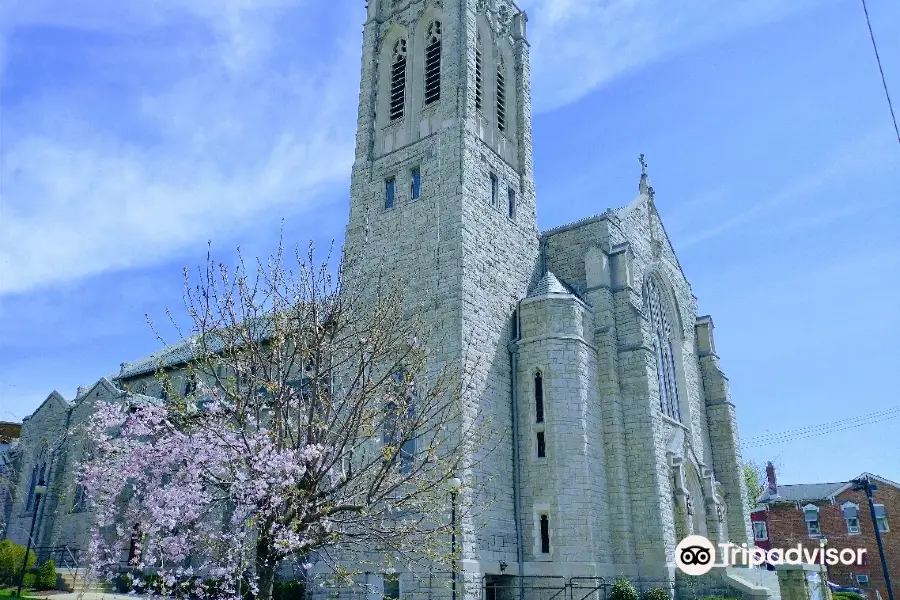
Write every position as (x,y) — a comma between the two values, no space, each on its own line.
(823,429)
(830,425)
(881,70)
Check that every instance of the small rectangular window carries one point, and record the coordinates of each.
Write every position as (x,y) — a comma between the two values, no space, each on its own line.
(545,534)
(415,184)
(882,524)
(541,445)
(391,587)
(512,203)
(495,189)
(812,528)
(760,530)
(852,525)
(389,185)
(862,580)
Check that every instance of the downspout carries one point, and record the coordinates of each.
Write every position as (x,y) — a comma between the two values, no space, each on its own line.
(517,478)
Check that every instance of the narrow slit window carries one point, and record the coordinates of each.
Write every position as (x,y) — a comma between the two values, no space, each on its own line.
(538,397)
(495,189)
(501,96)
(398,80)
(433,63)
(511,193)
(545,534)
(541,445)
(479,77)
(389,185)
(415,184)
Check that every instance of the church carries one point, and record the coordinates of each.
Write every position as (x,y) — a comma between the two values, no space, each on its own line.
(583,342)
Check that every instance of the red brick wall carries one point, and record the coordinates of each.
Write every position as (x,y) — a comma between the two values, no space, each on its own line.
(787,528)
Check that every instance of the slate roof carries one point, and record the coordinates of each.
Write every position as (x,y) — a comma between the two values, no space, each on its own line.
(803,492)
(549,284)
(181,352)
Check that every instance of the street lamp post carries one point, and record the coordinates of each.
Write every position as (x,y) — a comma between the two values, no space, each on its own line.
(39,490)
(454,485)
(865,484)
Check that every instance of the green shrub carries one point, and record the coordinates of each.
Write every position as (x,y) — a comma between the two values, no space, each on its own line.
(622,589)
(288,590)
(45,576)
(11,557)
(847,596)
(657,593)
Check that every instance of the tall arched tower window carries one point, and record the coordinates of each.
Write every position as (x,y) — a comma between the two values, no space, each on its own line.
(663,342)
(398,80)
(501,95)
(433,63)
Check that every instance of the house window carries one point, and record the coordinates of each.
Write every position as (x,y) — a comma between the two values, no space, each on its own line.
(391,587)
(862,580)
(398,80)
(851,517)
(538,397)
(479,77)
(881,518)
(811,516)
(501,96)
(760,530)
(495,189)
(415,184)
(389,185)
(541,445)
(664,349)
(433,63)
(511,193)
(545,534)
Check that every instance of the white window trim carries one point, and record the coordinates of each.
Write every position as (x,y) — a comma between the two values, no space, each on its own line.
(809,531)
(765,531)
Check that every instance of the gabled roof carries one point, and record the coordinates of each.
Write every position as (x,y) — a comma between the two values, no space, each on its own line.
(802,492)
(53,397)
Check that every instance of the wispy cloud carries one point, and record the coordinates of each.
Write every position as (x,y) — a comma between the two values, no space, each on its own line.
(180,120)
(223,129)
(578,45)
(871,153)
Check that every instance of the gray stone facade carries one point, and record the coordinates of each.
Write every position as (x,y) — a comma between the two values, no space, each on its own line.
(605,480)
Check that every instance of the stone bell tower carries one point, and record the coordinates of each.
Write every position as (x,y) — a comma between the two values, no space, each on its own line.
(442,194)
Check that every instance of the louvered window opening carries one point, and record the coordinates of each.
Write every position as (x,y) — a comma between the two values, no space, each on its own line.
(501,97)
(398,80)
(479,79)
(433,64)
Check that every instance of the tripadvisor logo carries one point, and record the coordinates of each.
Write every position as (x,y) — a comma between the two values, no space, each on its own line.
(696,555)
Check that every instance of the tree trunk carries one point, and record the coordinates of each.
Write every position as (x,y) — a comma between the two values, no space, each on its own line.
(265,570)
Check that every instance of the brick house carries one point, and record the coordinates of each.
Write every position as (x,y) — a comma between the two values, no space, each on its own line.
(836,516)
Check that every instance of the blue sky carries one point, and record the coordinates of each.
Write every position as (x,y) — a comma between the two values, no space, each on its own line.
(133,133)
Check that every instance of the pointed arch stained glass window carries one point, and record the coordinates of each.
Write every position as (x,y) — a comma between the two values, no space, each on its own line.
(663,342)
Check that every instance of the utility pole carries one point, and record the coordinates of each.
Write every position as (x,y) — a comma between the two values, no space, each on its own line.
(864,483)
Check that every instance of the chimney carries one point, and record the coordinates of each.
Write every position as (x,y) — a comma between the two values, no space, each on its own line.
(770,475)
